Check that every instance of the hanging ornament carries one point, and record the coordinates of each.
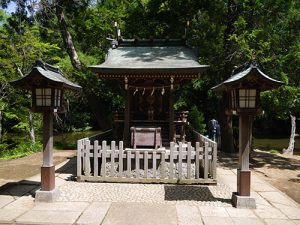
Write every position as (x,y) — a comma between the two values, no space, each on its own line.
(163,91)
(152,92)
(136,90)
(143,91)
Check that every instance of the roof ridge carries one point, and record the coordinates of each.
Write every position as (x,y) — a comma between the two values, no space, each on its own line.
(151,42)
(249,64)
(46,66)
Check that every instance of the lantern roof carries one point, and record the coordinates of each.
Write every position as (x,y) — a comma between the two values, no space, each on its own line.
(132,58)
(42,75)
(252,76)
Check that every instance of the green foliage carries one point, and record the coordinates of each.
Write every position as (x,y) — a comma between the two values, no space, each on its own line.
(3,18)
(180,104)
(77,119)
(21,150)
(274,151)
(65,145)
(224,34)
(196,119)
(266,31)
(21,127)
(282,102)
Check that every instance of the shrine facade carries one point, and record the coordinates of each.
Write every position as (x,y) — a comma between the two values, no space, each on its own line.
(150,71)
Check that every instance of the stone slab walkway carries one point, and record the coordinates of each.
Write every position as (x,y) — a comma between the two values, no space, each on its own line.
(135,204)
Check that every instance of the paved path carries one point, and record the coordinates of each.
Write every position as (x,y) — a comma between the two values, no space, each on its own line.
(136,204)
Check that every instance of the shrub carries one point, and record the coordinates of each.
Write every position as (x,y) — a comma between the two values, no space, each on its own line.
(22,149)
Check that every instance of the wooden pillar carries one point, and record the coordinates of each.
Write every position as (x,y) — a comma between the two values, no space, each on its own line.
(171,115)
(243,172)
(48,169)
(126,132)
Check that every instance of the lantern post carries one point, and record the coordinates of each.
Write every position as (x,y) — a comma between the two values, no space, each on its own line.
(47,85)
(244,89)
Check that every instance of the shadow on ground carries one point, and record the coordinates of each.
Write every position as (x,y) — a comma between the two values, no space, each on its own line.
(69,168)
(260,159)
(19,189)
(29,187)
(191,193)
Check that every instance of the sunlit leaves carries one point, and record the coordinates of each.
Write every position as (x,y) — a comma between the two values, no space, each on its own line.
(282,102)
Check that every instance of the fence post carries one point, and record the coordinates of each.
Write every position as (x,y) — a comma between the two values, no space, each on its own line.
(120,158)
(214,158)
(96,148)
(172,146)
(87,150)
(154,164)
(79,153)
(146,164)
(206,160)
(163,164)
(197,164)
(189,155)
(103,155)
(137,164)
(112,158)
(128,163)
(180,161)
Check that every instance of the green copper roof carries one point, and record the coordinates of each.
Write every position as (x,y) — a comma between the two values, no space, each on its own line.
(150,58)
(251,74)
(47,73)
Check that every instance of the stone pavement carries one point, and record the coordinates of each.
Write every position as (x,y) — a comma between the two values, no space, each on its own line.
(136,204)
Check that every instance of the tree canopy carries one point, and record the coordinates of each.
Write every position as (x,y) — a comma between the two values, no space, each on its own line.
(225,33)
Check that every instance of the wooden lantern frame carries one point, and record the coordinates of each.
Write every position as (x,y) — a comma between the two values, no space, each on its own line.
(243,91)
(48,98)
(47,84)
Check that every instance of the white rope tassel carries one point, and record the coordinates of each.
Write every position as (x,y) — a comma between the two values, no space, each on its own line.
(163,91)
(57,118)
(152,92)
(144,91)
(136,90)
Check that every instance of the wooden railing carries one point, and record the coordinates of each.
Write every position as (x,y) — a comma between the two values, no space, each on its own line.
(182,163)
(202,140)
(106,135)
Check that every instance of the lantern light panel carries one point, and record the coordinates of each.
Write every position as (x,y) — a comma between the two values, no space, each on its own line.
(44,97)
(57,99)
(247,98)
(243,98)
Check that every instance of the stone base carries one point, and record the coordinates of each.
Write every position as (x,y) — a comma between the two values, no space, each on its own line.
(47,196)
(245,202)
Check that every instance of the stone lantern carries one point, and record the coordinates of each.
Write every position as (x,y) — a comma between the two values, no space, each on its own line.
(243,90)
(47,85)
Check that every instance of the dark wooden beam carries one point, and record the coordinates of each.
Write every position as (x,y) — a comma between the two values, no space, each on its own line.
(126,133)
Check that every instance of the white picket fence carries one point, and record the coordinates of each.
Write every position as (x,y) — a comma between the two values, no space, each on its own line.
(182,163)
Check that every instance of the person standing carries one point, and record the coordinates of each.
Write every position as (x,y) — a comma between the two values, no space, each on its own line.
(213,129)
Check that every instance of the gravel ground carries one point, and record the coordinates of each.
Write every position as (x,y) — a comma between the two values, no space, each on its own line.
(150,173)
(214,195)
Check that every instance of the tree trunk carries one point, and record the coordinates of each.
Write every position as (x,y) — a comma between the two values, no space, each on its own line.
(227,144)
(290,149)
(31,128)
(66,36)
(98,110)
(227,140)
(93,101)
